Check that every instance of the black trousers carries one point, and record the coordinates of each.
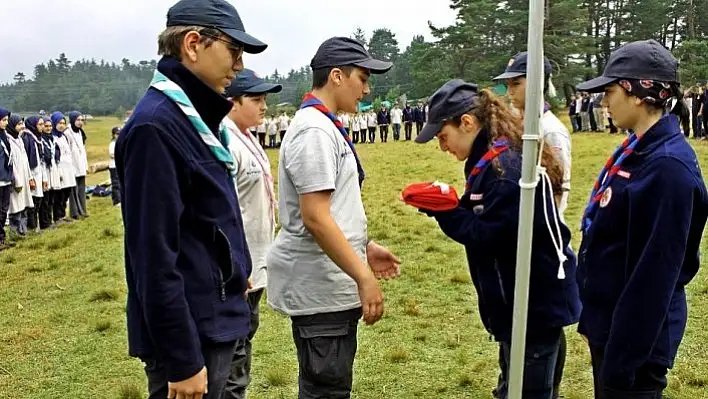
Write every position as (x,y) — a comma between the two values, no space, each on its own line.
(383,133)
(372,134)
(217,359)
(418,127)
(115,186)
(60,199)
(46,209)
(408,129)
(261,139)
(240,375)
(33,213)
(5,192)
(326,347)
(649,381)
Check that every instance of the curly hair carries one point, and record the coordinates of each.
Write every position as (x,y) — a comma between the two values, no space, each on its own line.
(500,121)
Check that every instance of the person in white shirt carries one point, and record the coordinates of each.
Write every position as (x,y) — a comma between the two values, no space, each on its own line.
(256,196)
(355,128)
(371,123)
(283,123)
(34,126)
(50,157)
(272,131)
(261,130)
(346,121)
(322,267)
(396,119)
(75,135)
(65,164)
(362,127)
(24,183)
(115,183)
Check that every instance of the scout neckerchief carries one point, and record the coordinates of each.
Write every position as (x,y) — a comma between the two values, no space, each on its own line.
(217,143)
(311,101)
(498,147)
(609,171)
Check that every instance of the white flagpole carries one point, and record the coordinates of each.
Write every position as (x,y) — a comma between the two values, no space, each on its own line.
(529,180)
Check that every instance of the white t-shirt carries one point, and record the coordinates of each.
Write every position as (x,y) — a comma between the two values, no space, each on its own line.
(557,137)
(112,153)
(355,123)
(273,127)
(262,127)
(283,121)
(345,120)
(302,279)
(254,188)
(396,116)
(371,119)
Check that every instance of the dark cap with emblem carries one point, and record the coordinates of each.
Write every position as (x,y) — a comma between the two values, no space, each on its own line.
(453,99)
(345,51)
(641,60)
(517,67)
(216,14)
(247,82)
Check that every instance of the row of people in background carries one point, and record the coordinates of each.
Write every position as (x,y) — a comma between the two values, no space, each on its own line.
(587,114)
(43,166)
(696,100)
(271,127)
(362,126)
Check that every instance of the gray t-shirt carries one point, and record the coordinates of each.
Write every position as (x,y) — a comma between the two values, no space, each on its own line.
(302,279)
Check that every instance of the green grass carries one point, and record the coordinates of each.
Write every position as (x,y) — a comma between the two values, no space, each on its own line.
(62,301)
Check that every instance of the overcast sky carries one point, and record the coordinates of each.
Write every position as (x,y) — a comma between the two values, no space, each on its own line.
(114,29)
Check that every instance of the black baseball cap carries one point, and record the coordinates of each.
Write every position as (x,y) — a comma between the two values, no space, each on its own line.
(217,14)
(517,67)
(345,51)
(453,99)
(645,59)
(248,82)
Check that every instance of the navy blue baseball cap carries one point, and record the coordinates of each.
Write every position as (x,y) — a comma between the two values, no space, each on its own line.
(645,59)
(517,67)
(248,82)
(453,99)
(345,51)
(217,14)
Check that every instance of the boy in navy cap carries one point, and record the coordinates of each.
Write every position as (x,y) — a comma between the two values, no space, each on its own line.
(317,268)
(479,129)
(186,257)
(642,227)
(256,197)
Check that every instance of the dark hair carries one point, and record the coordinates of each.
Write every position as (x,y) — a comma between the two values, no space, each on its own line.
(169,43)
(681,111)
(320,76)
(500,121)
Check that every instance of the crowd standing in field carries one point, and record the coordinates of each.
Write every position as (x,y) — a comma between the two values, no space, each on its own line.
(199,208)
(43,167)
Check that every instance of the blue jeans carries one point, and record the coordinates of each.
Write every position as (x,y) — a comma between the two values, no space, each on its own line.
(539,370)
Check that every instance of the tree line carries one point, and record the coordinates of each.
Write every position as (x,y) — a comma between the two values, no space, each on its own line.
(579,36)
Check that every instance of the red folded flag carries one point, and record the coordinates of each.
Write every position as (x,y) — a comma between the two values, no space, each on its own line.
(431,196)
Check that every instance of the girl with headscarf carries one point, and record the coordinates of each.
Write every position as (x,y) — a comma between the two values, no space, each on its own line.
(75,135)
(5,177)
(50,159)
(33,146)
(21,197)
(65,164)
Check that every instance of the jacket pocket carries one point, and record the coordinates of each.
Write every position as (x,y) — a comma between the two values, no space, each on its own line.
(225,260)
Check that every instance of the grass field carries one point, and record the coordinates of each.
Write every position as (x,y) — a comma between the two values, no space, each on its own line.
(62,301)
